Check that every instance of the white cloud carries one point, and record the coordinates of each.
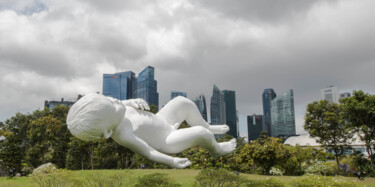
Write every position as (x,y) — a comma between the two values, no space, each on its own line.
(53,49)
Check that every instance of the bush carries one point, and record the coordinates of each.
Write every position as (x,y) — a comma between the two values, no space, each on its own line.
(26,171)
(321,181)
(325,168)
(218,177)
(358,163)
(156,179)
(116,179)
(265,183)
(276,171)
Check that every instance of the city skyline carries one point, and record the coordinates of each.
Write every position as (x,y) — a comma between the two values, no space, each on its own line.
(52,49)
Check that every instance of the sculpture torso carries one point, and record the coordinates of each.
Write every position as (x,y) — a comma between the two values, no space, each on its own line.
(148,126)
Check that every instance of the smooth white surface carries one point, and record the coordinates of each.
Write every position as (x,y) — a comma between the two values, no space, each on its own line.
(152,135)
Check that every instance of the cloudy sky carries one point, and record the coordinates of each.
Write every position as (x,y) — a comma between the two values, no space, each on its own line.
(51,49)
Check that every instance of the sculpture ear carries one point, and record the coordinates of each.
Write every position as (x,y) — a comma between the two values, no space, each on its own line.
(108,134)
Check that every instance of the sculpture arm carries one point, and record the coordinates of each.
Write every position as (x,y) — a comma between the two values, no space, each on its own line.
(136,103)
(126,138)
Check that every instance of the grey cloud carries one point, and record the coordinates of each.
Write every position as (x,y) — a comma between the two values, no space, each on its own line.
(42,61)
(264,10)
(111,6)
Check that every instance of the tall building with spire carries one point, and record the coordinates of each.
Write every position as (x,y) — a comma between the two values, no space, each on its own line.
(217,107)
(200,101)
(267,97)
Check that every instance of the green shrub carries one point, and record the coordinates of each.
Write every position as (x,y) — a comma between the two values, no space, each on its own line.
(276,171)
(156,179)
(218,177)
(117,179)
(325,168)
(321,181)
(265,183)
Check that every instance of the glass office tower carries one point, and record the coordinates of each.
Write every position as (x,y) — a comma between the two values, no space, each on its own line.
(267,96)
(217,107)
(200,101)
(254,126)
(282,115)
(120,85)
(231,112)
(147,86)
(177,93)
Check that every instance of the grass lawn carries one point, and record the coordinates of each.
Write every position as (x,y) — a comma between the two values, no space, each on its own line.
(185,177)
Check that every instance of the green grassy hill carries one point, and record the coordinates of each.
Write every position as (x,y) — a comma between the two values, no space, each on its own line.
(185,177)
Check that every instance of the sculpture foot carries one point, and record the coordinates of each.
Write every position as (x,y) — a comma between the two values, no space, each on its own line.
(225,148)
(219,129)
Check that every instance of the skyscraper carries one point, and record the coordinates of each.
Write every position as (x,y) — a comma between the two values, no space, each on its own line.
(267,96)
(200,101)
(231,112)
(125,85)
(147,86)
(177,93)
(282,115)
(254,126)
(331,94)
(217,107)
(120,85)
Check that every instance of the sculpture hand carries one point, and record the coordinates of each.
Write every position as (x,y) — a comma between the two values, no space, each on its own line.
(181,163)
(139,103)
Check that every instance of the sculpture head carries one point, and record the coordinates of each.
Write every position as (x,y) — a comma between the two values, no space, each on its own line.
(94,117)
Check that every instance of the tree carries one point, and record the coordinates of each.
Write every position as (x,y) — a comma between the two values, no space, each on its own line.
(266,153)
(323,120)
(10,152)
(12,148)
(359,112)
(78,155)
(42,136)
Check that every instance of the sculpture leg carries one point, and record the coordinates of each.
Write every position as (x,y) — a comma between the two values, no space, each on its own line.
(183,139)
(182,109)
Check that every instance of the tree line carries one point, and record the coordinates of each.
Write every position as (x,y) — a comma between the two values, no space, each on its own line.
(42,136)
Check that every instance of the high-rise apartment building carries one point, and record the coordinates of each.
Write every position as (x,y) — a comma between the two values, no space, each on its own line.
(254,126)
(120,85)
(217,107)
(282,115)
(200,101)
(125,85)
(147,86)
(177,93)
(231,112)
(331,94)
(267,96)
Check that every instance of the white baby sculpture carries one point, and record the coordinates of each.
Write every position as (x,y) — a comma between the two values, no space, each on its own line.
(96,116)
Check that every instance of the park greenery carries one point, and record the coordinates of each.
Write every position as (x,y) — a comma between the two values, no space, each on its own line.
(33,139)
